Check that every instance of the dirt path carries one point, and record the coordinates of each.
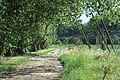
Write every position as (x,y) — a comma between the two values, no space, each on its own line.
(43,67)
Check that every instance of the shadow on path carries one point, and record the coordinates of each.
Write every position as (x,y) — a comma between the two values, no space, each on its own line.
(43,67)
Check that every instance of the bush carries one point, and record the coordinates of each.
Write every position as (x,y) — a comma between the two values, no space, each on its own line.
(71,40)
(58,42)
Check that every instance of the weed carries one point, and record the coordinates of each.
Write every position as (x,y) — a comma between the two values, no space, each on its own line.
(91,64)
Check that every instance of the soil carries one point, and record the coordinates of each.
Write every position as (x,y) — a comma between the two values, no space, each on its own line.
(43,67)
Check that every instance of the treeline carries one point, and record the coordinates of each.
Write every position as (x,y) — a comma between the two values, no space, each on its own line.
(104,29)
(29,25)
(69,34)
(91,35)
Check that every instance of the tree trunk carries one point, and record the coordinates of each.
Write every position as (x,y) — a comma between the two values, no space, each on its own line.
(20,51)
(97,37)
(83,32)
(105,28)
(102,35)
(35,47)
(38,47)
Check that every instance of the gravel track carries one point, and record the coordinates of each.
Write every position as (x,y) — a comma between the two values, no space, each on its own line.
(43,67)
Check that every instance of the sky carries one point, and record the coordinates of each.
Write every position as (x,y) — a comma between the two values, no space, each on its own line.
(84,19)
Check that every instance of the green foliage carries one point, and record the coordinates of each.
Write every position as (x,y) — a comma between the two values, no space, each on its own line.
(104,8)
(25,23)
(75,67)
(10,63)
(40,52)
(69,34)
(71,40)
(33,23)
(91,64)
(58,42)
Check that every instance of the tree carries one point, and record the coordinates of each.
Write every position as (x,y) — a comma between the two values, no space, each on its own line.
(103,8)
(32,22)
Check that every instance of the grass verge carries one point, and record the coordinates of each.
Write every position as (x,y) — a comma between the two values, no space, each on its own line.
(40,52)
(80,63)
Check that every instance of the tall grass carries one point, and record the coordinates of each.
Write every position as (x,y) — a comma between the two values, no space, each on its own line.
(80,63)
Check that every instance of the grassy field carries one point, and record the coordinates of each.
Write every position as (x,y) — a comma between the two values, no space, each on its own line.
(9,63)
(80,63)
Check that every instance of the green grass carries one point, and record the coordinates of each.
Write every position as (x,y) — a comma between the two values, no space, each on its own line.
(91,64)
(10,63)
(40,52)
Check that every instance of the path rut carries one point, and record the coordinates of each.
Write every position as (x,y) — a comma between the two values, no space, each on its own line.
(43,67)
